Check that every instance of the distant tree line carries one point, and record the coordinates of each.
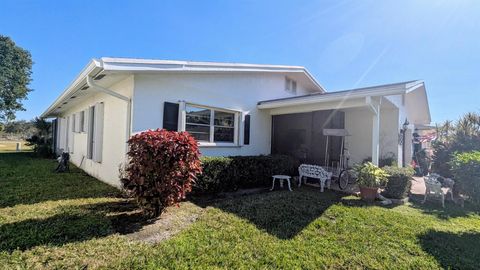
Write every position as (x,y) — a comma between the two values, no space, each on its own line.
(20,129)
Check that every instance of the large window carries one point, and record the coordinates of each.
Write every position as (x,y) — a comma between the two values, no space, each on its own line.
(211,125)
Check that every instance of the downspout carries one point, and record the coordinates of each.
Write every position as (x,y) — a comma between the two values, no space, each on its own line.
(94,86)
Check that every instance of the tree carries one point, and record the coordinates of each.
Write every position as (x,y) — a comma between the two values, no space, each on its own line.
(460,136)
(41,140)
(15,75)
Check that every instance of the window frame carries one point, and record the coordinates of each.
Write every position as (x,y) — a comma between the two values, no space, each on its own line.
(211,142)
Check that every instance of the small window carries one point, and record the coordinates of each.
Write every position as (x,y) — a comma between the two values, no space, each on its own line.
(90,133)
(73,122)
(290,86)
(82,121)
(211,125)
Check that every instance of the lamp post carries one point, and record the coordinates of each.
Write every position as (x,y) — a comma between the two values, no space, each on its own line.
(404,132)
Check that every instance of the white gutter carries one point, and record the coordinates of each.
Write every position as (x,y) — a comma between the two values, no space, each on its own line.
(102,89)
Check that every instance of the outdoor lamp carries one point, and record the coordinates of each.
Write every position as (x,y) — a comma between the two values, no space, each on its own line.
(405,125)
(401,137)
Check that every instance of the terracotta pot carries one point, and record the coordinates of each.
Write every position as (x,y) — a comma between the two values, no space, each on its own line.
(368,194)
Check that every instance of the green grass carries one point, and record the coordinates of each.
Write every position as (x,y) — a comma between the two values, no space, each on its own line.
(11,146)
(50,221)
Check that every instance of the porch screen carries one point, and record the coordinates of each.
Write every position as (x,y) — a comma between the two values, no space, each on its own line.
(301,136)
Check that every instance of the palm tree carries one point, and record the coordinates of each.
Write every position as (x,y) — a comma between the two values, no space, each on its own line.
(43,127)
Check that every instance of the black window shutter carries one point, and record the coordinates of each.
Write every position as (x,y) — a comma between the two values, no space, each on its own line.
(170,116)
(246,130)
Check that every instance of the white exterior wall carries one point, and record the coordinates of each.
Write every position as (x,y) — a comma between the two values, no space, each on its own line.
(389,132)
(238,92)
(399,101)
(358,122)
(114,136)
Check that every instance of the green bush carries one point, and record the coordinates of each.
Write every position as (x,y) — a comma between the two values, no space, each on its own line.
(399,182)
(466,170)
(370,175)
(462,135)
(386,160)
(231,173)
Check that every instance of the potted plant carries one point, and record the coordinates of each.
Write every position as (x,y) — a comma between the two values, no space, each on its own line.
(369,178)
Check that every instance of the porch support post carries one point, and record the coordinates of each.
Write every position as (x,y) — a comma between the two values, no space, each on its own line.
(376,138)
(374,106)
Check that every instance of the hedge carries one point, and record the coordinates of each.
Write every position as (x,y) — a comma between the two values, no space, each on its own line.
(399,182)
(222,174)
(466,171)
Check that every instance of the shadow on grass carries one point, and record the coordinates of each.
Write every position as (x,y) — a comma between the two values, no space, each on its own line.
(453,251)
(74,225)
(27,180)
(282,214)
(435,208)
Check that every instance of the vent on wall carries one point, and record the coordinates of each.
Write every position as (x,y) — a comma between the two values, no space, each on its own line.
(99,77)
(290,85)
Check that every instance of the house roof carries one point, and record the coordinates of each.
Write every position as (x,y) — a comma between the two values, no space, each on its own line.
(106,66)
(414,91)
(377,90)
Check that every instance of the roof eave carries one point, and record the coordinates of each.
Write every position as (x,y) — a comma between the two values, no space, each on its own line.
(326,98)
(147,65)
(93,65)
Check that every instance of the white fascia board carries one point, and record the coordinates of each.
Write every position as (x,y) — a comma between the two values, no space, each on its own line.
(148,65)
(92,65)
(332,96)
(136,61)
(312,78)
(414,86)
(420,86)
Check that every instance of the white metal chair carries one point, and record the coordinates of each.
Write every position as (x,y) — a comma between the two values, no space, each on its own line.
(314,171)
(433,187)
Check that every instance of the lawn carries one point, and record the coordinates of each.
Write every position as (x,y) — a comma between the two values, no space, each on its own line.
(71,220)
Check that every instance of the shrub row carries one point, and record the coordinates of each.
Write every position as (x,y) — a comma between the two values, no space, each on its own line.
(231,173)
(399,182)
(466,170)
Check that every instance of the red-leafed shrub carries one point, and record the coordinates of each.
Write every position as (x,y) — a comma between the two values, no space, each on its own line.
(161,168)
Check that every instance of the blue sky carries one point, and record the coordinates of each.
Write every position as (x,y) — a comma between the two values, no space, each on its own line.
(345,44)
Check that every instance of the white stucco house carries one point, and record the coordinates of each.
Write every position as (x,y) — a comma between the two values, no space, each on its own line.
(232,109)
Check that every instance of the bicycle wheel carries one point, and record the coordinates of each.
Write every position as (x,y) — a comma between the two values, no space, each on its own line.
(343,179)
